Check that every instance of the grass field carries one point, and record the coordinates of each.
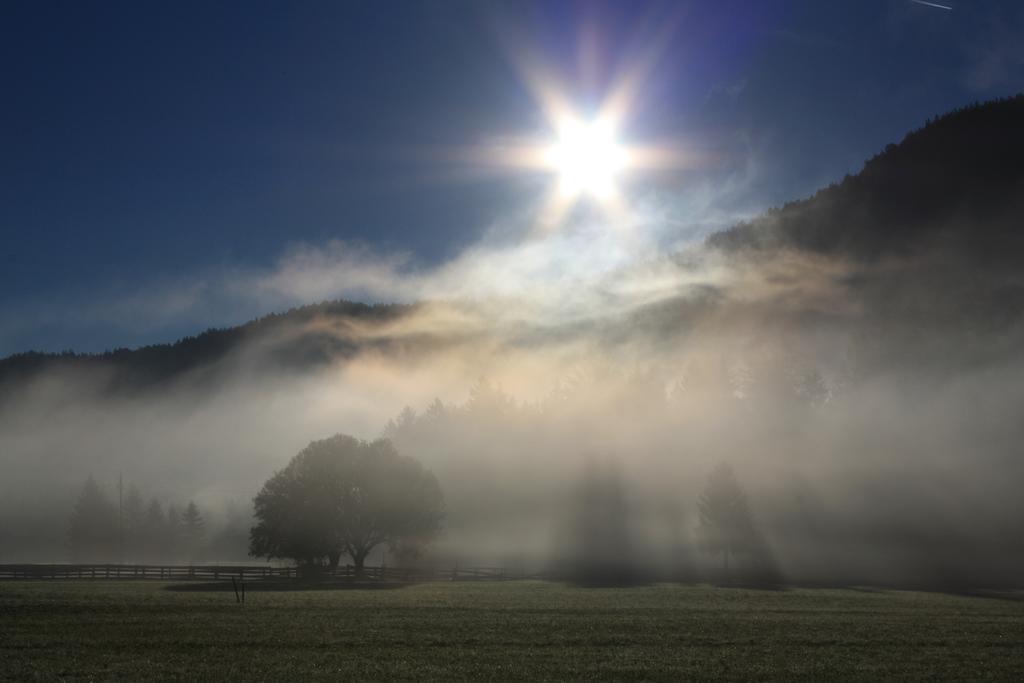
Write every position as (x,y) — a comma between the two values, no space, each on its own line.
(534,630)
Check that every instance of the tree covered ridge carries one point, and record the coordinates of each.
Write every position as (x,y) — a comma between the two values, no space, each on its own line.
(960,178)
(157,363)
(956,185)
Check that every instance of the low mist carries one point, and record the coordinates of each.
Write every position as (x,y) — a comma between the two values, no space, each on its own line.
(575,432)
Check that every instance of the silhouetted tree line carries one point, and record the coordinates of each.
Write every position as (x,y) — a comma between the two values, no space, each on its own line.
(924,243)
(602,541)
(138,369)
(770,379)
(952,186)
(341,497)
(106,527)
(955,182)
(601,544)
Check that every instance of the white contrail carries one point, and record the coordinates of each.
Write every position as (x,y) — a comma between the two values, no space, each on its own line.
(931,4)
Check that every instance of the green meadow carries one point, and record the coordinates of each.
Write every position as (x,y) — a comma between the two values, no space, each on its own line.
(501,630)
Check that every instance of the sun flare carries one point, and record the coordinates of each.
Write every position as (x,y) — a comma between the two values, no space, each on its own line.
(587,158)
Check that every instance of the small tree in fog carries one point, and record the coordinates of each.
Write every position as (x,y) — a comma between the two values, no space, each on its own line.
(600,546)
(193,528)
(726,526)
(172,536)
(93,531)
(232,536)
(153,529)
(344,496)
(134,518)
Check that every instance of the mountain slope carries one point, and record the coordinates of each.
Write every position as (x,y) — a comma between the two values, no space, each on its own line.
(927,238)
(298,343)
(956,183)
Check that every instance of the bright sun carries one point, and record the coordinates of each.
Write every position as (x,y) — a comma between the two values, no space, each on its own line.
(587,158)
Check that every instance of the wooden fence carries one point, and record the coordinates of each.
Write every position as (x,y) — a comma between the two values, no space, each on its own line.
(202,572)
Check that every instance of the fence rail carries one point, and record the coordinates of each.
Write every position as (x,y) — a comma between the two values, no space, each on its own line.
(251,573)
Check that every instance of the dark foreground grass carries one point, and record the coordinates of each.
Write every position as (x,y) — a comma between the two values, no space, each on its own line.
(526,630)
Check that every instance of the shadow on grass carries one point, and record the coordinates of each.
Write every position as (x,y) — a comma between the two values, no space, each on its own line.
(922,586)
(764,577)
(283,586)
(1009,595)
(752,585)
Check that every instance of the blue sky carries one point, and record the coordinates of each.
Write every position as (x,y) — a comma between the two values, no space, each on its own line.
(147,145)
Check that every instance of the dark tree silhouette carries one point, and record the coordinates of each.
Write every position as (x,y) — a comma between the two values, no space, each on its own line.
(148,366)
(964,164)
(726,526)
(93,533)
(134,520)
(345,496)
(601,543)
(193,528)
(154,529)
(232,538)
(487,399)
(173,533)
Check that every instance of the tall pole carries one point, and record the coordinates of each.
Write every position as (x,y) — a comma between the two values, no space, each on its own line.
(120,518)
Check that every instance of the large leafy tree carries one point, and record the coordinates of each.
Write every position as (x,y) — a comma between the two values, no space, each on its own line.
(343,496)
